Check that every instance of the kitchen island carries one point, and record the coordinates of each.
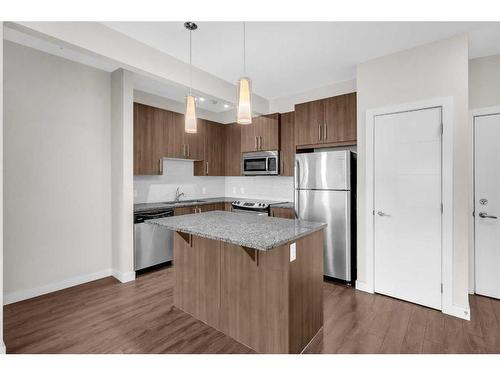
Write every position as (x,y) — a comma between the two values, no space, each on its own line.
(257,279)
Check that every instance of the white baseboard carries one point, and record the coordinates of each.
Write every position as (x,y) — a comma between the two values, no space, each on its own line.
(361,285)
(457,311)
(124,277)
(21,295)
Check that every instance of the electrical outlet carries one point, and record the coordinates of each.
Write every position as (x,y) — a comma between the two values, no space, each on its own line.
(293,251)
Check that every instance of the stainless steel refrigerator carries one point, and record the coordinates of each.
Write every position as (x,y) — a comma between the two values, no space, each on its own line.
(325,191)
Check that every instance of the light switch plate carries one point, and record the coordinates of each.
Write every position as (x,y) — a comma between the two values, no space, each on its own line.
(293,252)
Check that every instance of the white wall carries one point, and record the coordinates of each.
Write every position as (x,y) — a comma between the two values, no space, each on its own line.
(276,188)
(176,173)
(179,173)
(57,173)
(434,70)
(287,103)
(484,82)
(2,345)
(122,178)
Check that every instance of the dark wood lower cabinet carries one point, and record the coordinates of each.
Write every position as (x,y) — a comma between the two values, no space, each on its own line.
(285,213)
(199,208)
(259,298)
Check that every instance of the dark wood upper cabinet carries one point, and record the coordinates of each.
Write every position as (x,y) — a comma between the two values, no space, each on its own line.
(262,134)
(195,143)
(215,156)
(159,133)
(326,122)
(287,143)
(309,119)
(232,149)
(340,112)
(149,138)
(268,129)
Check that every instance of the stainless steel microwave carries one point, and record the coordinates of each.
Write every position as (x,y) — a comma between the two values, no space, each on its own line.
(260,163)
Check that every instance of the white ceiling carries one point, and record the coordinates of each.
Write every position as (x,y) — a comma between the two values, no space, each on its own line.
(285,58)
(141,82)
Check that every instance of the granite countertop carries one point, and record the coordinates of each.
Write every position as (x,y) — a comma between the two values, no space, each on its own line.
(253,231)
(138,207)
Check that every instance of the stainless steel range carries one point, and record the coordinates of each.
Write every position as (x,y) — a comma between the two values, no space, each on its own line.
(251,207)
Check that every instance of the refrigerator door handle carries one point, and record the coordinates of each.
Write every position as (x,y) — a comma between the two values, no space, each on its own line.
(296,200)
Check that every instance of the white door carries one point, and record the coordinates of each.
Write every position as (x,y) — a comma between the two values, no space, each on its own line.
(407,206)
(487,205)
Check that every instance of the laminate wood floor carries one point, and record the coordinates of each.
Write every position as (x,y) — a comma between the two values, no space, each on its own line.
(105,316)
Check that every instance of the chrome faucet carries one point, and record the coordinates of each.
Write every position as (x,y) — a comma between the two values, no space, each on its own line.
(178,194)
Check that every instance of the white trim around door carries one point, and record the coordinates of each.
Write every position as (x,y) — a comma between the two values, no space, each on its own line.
(446,105)
(485,111)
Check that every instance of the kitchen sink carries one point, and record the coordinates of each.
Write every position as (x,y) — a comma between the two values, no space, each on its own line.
(185,201)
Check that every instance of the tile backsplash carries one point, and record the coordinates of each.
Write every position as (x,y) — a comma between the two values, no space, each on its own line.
(179,173)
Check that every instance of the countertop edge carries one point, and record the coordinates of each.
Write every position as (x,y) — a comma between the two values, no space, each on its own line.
(206,201)
(251,246)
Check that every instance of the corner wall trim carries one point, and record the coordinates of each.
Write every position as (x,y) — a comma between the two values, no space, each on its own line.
(364,287)
(21,295)
(3,349)
(124,277)
(457,311)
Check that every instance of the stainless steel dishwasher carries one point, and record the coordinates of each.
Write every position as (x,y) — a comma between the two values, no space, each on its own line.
(153,244)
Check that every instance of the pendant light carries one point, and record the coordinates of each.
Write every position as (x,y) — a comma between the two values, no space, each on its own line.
(244,98)
(190,114)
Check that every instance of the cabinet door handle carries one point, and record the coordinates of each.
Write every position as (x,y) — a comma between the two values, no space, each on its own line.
(260,144)
(206,168)
(326,132)
(183,150)
(256,147)
(160,165)
(319,132)
(188,150)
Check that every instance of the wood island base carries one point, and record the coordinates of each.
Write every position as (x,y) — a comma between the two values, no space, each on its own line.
(259,298)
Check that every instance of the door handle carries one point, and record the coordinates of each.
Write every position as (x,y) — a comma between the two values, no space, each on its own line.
(256,146)
(188,149)
(184,150)
(260,143)
(160,166)
(380,213)
(206,169)
(326,132)
(484,215)
(319,132)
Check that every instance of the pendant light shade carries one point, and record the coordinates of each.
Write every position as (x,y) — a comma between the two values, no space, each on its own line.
(244,98)
(190,122)
(244,115)
(190,115)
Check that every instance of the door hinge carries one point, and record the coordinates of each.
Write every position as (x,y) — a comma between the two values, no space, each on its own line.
(441,288)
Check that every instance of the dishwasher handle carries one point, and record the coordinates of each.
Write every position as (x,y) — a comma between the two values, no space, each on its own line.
(141,217)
